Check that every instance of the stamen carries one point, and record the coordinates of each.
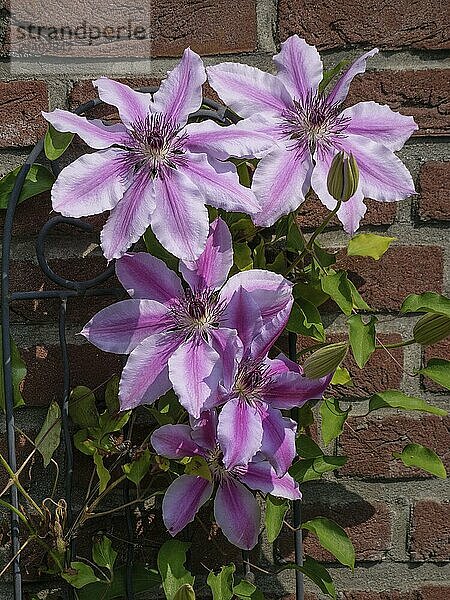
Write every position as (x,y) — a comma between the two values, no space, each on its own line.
(251,380)
(197,311)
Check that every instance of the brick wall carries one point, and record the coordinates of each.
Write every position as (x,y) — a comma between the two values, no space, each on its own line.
(398,518)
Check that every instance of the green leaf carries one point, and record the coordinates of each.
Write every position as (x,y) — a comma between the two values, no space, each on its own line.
(316,572)
(333,538)
(112,395)
(197,465)
(242,256)
(56,143)
(102,472)
(103,553)
(82,407)
(311,292)
(294,239)
(276,508)
(330,73)
(245,590)
(143,580)
(186,592)
(427,302)
(341,377)
(171,559)
(362,338)
(222,584)
(243,229)
(259,256)
(416,455)
(79,574)
(357,299)
(38,179)
(110,423)
(47,440)
(278,265)
(156,249)
(369,244)
(335,284)
(333,419)
(324,258)
(304,416)
(305,319)
(306,447)
(397,399)
(19,371)
(137,470)
(438,370)
(313,468)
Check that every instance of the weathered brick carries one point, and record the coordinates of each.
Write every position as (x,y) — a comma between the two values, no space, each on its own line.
(333,24)
(422,94)
(21,103)
(387,595)
(403,270)
(434,189)
(438,591)
(369,444)
(430,534)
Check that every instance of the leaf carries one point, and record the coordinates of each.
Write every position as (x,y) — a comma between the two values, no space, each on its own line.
(294,239)
(197,465)
(243,229)
(79,574)
(38,179)
(313,468)
(397,399)
(335,284)
(438,370)
(56,143)
(186,592)
(103,553)
(333,538)
(427,302)
(316,572)
(304,416)
(138,469)
(259,256)
(102,472)
(278,265)
(362,338)
(307,448)
(112,395)
(82,407)
(110,423)
(143,580)
(245,590)
(333,419)
(156,249)
(242,256)
(330,73)
(416,455)
(19,371)
(357,299)
(305,319)
(311,292)
(369,244)
(276,508)
(47,440)
(341,377)
(171,559)
(222,584)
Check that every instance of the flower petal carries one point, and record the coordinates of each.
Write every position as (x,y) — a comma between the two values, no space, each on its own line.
(91,184)
(174,441)
(291,389)
(195,370)
(145,376)
(246,139)
(122,326)
(380,124)
(243,314)
(130,218)
(230,348)
(261,476)
(281,180)
(248,90)
(237,514)
(180,94)
(211,268)
(339,93)
(145,276)
(219,185)
(92,131)
(239,432)
(278,443)
(204,429)
(299,67)
(183,499)
(180,219)
(132,106)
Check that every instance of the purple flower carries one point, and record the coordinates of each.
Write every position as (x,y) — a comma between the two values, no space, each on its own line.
(153,168)
(309,128)
(181,337)
(235,508)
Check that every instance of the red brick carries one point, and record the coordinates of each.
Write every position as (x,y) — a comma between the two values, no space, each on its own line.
(369,444)
(21,103)
(422,94)
(430,533)
(440,350)
(435,592)
(434,189)
(403,270)
(367,524)
(334,24)
(387,595)
(43,383)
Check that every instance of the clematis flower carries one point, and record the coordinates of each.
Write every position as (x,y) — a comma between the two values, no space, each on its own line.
(181,336)
(236,510)
(153,167)
(310,128)
(254,391)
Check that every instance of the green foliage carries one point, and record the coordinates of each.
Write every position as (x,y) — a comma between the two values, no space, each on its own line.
(341,377)
(222,584)
(362,338)
(305,319)
(335,284)
(245,590)
(416,455)
(317,573)
(138,469)
(333,420)
(38,180)
(19,371)
(314,463)
(329,75)
(156,249)
(79,574)
(103,473)
(103,553)
(397,399)
(243,260)
(427,302)
(369,244)
(144,580)
(82,407)
(56,143)
(171,559)
(438,370)
(48,439)
(276,509)
(333,538)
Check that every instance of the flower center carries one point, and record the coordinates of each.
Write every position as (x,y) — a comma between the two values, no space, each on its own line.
(197,311)
(251,380)
(158,143)
(314,122)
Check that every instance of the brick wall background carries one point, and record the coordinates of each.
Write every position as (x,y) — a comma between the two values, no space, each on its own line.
(398,518)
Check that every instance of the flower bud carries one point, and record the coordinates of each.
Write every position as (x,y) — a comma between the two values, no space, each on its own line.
(325,360)
(431,328)
(343,177)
